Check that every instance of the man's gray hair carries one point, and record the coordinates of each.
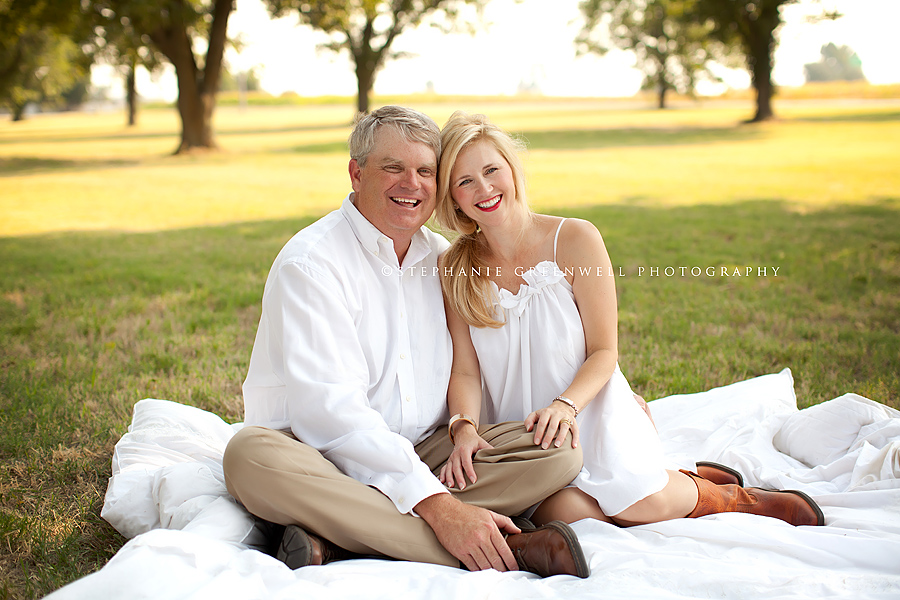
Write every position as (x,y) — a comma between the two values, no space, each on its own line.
(412,125)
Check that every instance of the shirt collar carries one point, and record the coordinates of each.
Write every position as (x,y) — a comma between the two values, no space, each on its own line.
(378,243)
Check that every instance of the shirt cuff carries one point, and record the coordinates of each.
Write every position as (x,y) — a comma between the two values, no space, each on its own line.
(416,487)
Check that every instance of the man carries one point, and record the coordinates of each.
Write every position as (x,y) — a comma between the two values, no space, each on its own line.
(346,392)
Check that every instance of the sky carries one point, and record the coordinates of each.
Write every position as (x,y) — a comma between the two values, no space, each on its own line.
(529,42)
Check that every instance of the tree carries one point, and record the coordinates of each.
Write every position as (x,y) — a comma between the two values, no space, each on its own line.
(838,63)
(753,24)
(118,44)
(673,51)
(41,58)
(367,28)
(175,28)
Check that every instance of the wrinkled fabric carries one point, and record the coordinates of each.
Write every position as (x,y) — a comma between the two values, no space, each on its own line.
(164,472)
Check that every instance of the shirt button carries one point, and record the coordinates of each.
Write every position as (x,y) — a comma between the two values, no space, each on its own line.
(409,398)
(403,356)
(401,499)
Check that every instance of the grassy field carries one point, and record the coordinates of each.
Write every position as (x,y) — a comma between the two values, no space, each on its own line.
(127,273)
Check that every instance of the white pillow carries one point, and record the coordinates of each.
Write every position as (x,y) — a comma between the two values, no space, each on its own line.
(821,434)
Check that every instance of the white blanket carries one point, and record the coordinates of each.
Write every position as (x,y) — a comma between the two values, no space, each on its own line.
(190,540)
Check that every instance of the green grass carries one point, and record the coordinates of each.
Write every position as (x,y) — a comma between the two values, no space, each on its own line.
(126,273)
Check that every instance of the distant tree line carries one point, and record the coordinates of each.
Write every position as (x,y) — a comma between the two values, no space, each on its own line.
(48,46)
(676,41)
(837,63)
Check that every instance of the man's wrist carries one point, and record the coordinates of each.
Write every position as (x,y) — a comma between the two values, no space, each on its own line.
(430,506)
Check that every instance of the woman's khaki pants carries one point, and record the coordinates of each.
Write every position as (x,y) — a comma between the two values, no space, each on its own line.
(282,480)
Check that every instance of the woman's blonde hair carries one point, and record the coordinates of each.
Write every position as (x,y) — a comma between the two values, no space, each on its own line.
(464,274)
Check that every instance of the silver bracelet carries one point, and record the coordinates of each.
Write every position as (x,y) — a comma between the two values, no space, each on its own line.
(568,402)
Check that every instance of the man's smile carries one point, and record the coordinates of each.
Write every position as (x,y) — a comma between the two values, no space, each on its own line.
(408,202)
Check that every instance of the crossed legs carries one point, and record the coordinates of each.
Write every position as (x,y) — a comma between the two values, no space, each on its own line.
(284,481)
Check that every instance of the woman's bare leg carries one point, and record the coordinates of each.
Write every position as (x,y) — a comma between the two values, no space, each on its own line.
(568,505)
(674,501)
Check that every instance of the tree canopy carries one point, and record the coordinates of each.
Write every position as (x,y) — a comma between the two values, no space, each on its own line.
(368,28)
(121,45)
(672,50)
(41,58)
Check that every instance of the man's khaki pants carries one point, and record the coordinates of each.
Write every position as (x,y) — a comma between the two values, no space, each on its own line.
(282,480)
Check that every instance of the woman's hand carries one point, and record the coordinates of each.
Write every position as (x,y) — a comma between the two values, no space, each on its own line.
(554,421)
(459,465)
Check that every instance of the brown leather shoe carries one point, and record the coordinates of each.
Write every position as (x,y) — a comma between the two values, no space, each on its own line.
(791,506)
(551,549)
(719,474)
(299,548)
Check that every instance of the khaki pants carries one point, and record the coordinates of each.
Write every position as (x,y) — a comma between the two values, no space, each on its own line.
(282,480)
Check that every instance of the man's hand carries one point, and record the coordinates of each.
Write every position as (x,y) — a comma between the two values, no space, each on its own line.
(469,533)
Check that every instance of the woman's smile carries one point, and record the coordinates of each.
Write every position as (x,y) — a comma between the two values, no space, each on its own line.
(490,204)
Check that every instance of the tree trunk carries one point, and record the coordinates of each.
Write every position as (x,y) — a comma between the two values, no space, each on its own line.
(762,81)
(365,79)
(131,95)
(196,128)
(18,112)
(368,60)
(760,59)
(662,87)
(660,52)
(760,44)
(196,110)
(196,89)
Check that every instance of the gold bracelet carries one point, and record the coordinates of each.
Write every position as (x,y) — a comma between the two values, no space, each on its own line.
(568,402)
(459,417)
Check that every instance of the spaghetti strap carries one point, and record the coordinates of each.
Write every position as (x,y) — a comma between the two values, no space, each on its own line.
(556,238)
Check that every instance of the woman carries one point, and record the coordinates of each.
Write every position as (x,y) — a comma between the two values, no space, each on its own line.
(531,307)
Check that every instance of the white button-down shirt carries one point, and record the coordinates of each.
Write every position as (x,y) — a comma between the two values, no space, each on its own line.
(352,353)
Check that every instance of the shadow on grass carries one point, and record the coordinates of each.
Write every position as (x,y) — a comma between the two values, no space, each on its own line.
(863,117)
(127,135)
(25,165)
(635,136)
(581,139)
(324,148)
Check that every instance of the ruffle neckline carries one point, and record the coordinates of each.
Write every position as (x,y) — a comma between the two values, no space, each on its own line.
(538,277)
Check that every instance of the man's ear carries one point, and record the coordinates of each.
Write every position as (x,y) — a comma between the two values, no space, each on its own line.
(355,172)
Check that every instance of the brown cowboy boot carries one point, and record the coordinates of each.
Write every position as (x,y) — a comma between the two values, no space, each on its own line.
(551,549)
(791,506)
(719,474)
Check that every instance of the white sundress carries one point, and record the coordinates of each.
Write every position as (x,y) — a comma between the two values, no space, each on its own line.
(534,357)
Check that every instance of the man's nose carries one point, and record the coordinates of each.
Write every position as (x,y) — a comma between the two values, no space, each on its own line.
(411,179)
